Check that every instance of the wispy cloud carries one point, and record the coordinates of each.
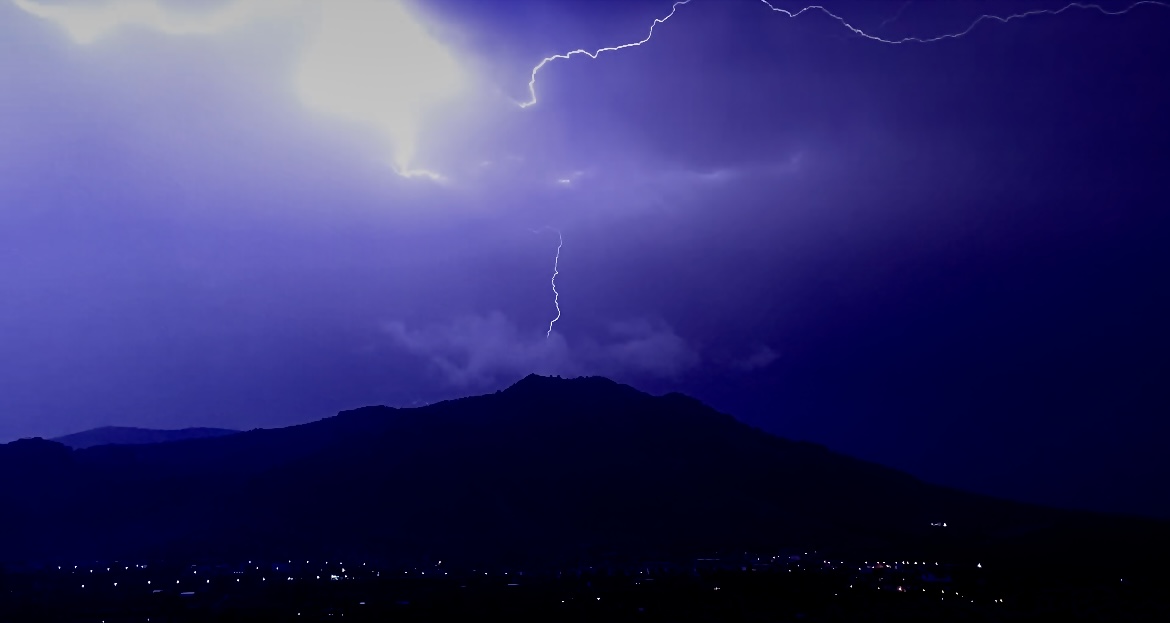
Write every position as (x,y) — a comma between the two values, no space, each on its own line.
(762,357)
(478,351)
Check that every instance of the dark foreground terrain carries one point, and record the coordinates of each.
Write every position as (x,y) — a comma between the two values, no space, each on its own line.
(551,478)
(122,435)
(549,472)
(783,587)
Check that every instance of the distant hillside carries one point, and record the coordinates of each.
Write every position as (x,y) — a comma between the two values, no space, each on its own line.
(549,470)
(131,436)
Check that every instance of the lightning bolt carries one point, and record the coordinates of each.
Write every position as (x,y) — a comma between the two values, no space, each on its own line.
(553,281)
(567,55)
(856,31)
(978,20)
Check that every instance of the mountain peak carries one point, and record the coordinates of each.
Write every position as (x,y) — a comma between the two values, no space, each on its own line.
(33,451)
(592,388)
(534,380)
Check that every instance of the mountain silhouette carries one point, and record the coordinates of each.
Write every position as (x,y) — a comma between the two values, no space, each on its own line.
(548,471)
(107,435)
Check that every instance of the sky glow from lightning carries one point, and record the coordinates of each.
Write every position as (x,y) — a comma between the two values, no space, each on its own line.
(532,99)
(367,61)
(88,23)
(374,62)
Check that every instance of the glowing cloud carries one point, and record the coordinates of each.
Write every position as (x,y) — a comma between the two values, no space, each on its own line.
(372,62)
(87,23)
(367,60)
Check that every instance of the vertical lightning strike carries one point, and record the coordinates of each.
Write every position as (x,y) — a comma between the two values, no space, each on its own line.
(856,31)
(553,281)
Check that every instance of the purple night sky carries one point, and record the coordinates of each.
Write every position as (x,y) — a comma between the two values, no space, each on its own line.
(945,257)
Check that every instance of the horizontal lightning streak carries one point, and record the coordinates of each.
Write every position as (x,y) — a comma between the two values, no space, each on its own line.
(857,31)
(974,24)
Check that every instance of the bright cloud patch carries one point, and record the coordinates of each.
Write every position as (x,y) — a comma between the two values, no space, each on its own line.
(367,60)
(90,21)
(372,62)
